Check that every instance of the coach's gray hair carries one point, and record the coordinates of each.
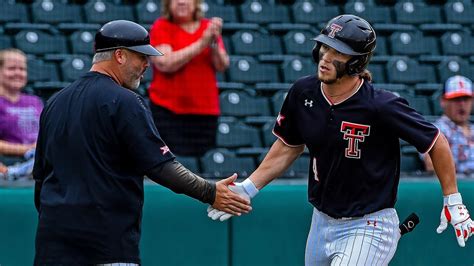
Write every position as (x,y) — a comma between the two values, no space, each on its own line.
(102,56)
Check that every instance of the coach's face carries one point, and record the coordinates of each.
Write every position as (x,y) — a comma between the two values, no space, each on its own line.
(135,67)
(332,64)
(458,109)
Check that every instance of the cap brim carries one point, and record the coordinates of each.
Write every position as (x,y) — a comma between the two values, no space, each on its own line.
(335,44)
(454,95)
(146,50)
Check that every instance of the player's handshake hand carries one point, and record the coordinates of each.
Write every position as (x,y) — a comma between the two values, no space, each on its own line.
(456,213)
(246,189)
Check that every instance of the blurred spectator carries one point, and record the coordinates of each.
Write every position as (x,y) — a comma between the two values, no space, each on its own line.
(184,94)
(456,102)
(19,113)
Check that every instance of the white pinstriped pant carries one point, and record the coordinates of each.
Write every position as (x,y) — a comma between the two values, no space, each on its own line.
(368,240)
(118,264)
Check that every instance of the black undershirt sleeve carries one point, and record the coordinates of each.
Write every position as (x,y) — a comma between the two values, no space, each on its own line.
(176,177)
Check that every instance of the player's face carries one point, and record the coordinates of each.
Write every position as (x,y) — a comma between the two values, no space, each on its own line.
(182,10)
(332,64)
(13,74)
(134,69)
(458,109)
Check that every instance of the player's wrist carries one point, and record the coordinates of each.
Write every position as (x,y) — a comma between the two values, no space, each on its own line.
(452,199)
(250,187)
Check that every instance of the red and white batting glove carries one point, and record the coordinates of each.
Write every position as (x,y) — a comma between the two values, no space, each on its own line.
(246,189)
(456,213)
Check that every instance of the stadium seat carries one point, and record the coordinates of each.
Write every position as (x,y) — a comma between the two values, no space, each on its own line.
(246,69)
(39,42)
(38,70)
(298,169)
(192,163)
(369,11)
(459,12)
(5,41)
(454,66)
(267,134)
(297,67)
(147,11)
(75,66)
(312,13)
(227,12)
(223,163)
(412,12)
(13,12)
(51,11)
(299,42)
(236,135)
(412,43)
(82,42)
(45,89)
(457,43)
(378,72)
(241,104)
(410,160)
(251,42)
(381,47)
(277,101)
(97,11)
(421,104)
(262,12)
(409,71)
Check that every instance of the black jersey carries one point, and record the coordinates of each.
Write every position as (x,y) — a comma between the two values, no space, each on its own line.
(354,145)
(96,141)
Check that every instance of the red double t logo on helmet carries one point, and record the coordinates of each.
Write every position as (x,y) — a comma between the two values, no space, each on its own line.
(334,29)
(355,133)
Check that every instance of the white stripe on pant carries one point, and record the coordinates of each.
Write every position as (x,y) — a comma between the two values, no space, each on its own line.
(118,264)
(368,240)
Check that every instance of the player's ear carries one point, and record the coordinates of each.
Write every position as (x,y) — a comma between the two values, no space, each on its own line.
(120,56)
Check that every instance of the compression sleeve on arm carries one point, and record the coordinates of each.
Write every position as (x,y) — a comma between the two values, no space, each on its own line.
(179,179)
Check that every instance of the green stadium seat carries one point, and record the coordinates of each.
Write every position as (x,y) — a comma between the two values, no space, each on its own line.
(223,163)
(409,71)
(262,12)
(97,11)
(38,70)
(410,160)
(246,69)
(381,48)
(267,134)
(82,42)
(39,42)
(378,72)
(277,101)
(412,43)
(13,12)
(191,163)
(459,12)
(147,11)
(75,66)
(451,66)
(313,13)
(251,42)
(242,104)
(45,89)
(227,12)
(5,41)
(297,67)
(369,11)
(411,12)
(299,42)
(421,104)
(50,11)
(236,135)
(457,43)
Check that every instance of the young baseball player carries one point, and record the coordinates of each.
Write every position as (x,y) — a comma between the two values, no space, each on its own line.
(352,132)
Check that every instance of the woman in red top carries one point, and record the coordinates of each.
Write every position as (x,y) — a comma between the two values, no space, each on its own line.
(184,94)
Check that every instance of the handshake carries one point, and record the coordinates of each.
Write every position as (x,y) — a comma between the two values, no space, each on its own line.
(246,190)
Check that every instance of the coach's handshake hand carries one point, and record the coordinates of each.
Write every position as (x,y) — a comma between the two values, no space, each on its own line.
(456,213)
(246,190)
(228,201)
